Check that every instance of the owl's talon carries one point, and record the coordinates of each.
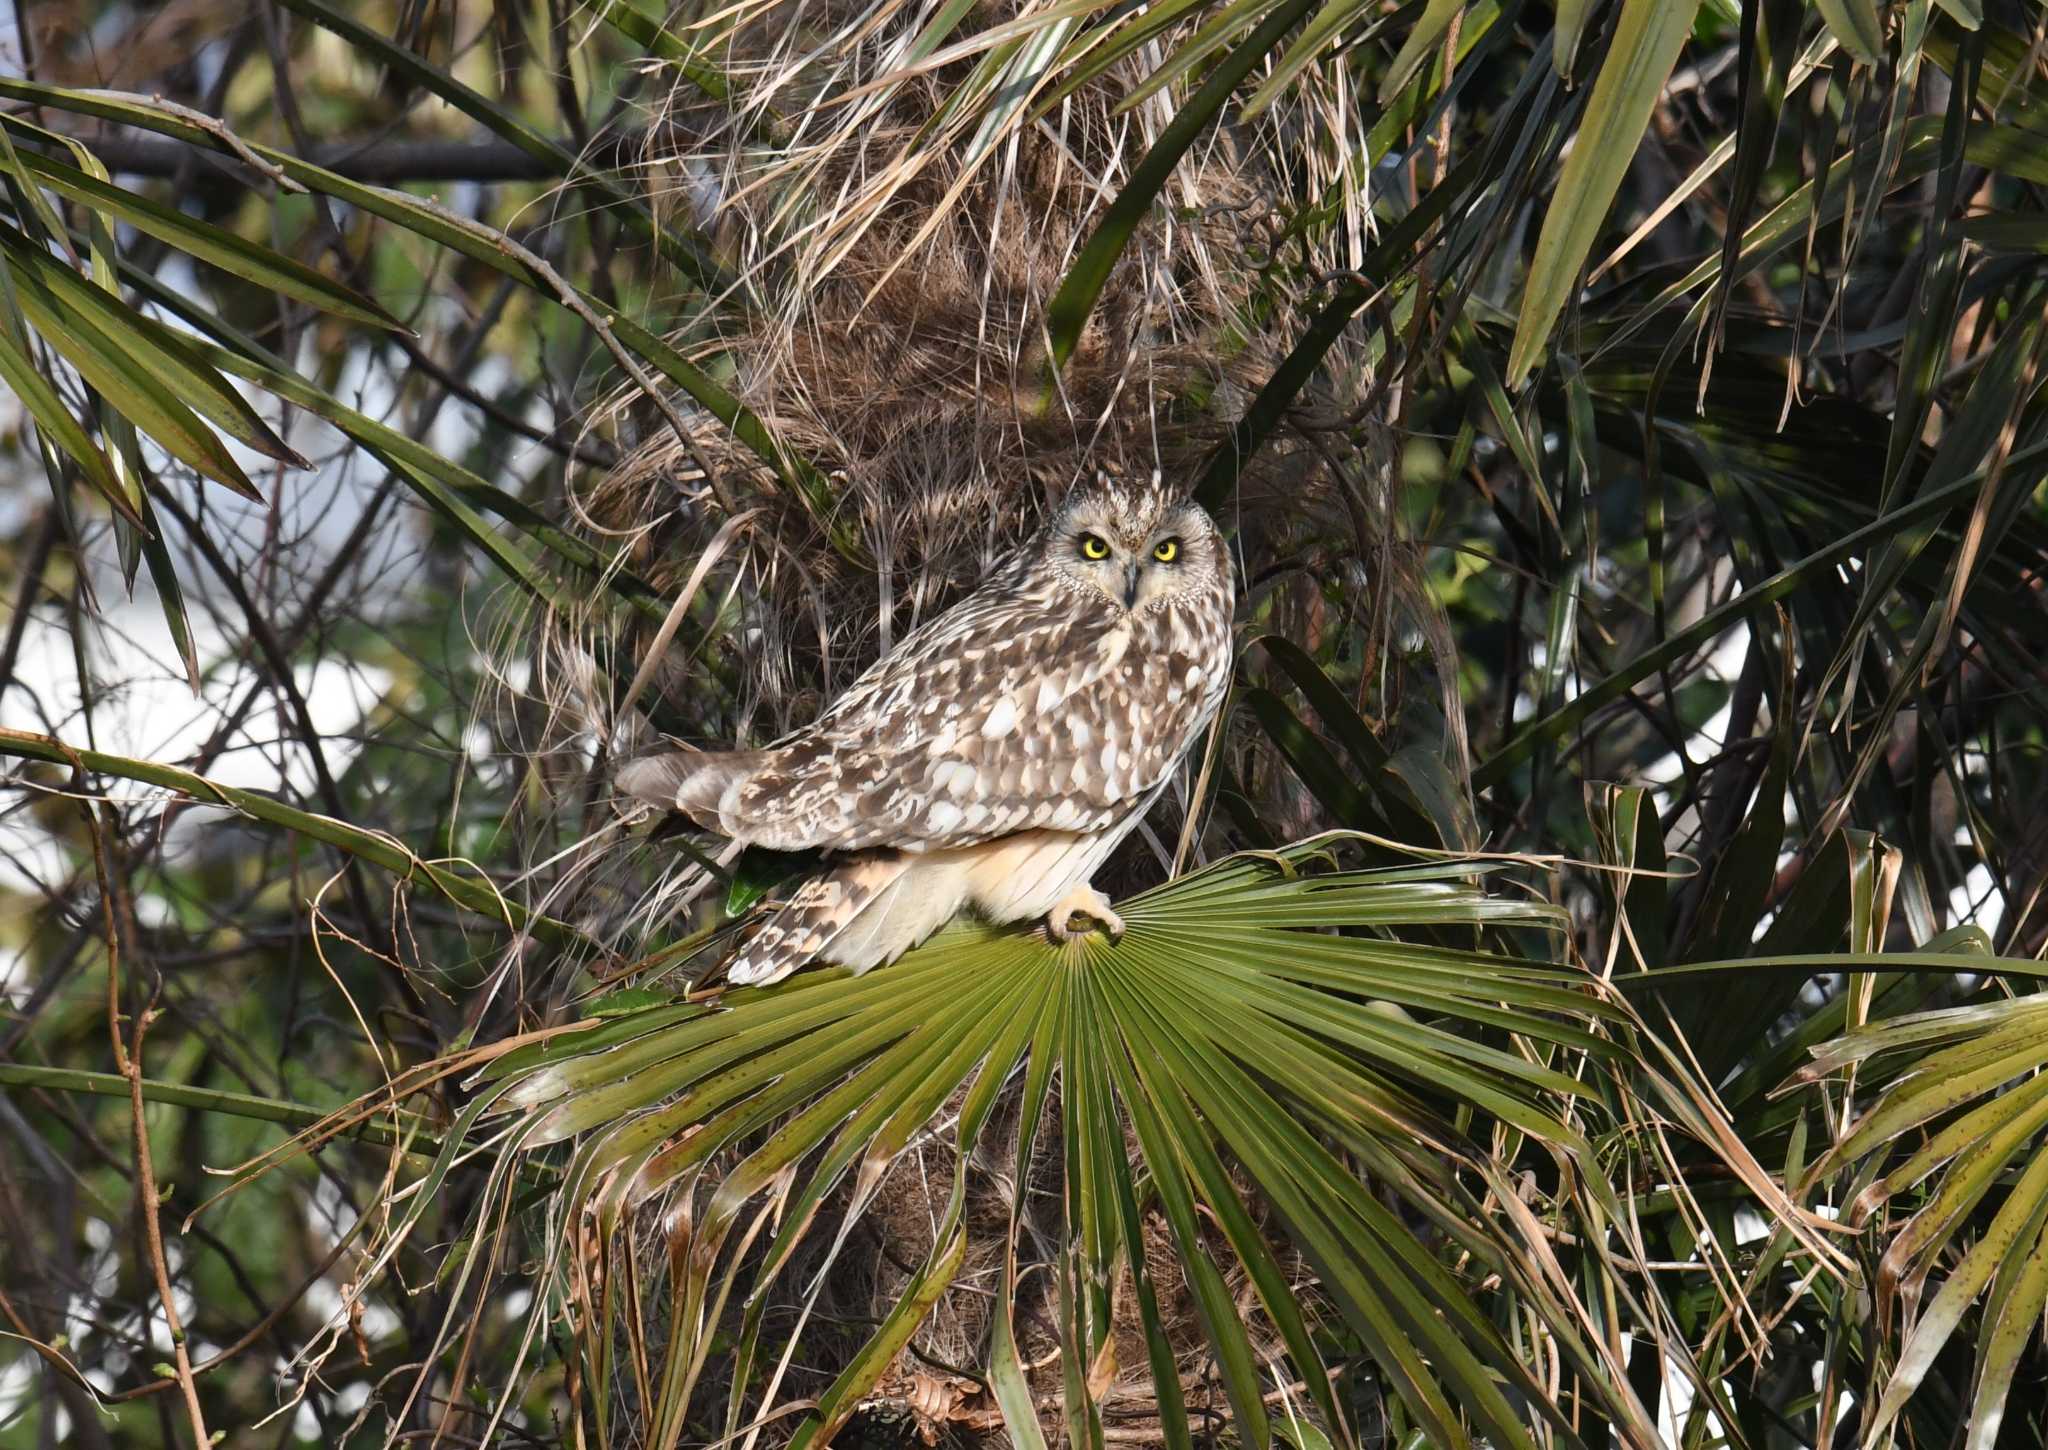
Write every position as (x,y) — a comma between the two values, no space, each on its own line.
(1085,904)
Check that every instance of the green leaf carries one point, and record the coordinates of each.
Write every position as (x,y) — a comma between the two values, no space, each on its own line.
(1215,32)
(1856,26)
(2017,233)
(1230,1027)
(452,490)
(60,429)
(163,573)
(1395,252)
(242,259)
(625,1002)
(654,36)
(1370,788)
(1632,840)
(122,366)
(1564,36)
(1732,899)
(1769,591)
(675,241)
(1067,313)
(1428,32)
(758,873)
(162,351)
(287,1114)
(797,474)
(1647,40)
(1769,42)
(1329,22)
(373,846)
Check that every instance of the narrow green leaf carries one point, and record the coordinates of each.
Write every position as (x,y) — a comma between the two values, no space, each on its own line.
(1731,901)
(163,573)
(1333,19)
(1931,317)
(1067,313)
(1215,32)
(1813,964)
(2016,233)
(190,1095)
(2012,1314)
(1647,40)
(1564,35)
(1431,93)
(1856,26)
(60,429)
(2021,1212)
(758,872)
(1394,801)
(1631,838)
(1396,251)
(1428,31)
(243,259)
(1769,42)
(372,846)
(450,489)
(163,351)
(675,240)
(1555,725)
(122,374)
(654,36)
(916,1299)
(396,206)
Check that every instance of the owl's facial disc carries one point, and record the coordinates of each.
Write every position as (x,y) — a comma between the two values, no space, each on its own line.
(1134,556)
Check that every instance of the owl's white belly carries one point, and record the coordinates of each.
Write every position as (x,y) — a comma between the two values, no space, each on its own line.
(1013,878)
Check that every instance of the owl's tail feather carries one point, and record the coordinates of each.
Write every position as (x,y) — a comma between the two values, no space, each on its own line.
(814,918)
(693,782)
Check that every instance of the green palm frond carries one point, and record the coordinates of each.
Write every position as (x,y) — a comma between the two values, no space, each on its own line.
(1266,1045)
(1948,1160)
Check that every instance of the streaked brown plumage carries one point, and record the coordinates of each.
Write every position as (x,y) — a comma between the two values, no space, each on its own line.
(995,757)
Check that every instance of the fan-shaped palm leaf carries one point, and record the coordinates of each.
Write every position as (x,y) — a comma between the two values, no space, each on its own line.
(1265,1017)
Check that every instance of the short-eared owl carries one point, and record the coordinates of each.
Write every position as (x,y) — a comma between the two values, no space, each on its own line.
(996,756)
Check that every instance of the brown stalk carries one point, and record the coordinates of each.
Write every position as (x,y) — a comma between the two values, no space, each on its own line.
(128,1060)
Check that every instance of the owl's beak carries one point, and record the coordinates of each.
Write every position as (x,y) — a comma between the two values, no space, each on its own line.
(1131,587)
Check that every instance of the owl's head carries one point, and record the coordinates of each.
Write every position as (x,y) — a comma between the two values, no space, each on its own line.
(1136,541)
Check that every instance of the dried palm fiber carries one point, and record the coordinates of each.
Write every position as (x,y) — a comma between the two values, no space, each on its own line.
(890,329)
(905,357)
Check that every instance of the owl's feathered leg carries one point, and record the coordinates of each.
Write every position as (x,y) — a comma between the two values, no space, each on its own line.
(1084,901)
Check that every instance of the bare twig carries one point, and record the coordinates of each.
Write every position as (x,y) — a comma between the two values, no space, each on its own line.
(128,1059)
(219,130)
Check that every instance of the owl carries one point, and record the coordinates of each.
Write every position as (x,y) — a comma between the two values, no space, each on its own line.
(995,757)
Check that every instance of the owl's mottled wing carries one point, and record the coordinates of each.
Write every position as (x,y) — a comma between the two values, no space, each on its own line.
(1013,711)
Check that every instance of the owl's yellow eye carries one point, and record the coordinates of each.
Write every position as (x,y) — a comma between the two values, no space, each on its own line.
(1094,546)
(1166,550)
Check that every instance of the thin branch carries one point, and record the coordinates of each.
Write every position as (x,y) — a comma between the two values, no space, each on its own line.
(378,161)
(128,1058)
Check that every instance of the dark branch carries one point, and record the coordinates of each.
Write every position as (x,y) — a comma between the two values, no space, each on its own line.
(379,161)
